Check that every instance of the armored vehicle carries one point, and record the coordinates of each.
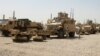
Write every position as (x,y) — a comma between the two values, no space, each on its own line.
(98,27)
(6,26)
(21,29)
(61,25)
(25,29)
(88,28)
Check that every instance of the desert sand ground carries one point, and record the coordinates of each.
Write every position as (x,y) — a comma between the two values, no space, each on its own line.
(88,45)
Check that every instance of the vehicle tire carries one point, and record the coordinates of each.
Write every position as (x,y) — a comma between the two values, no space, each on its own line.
(28,38)
(15,40)
(61,34)
(48,36)
(44,37)
(72,34)
(38,39)
(94,32)
(5,33)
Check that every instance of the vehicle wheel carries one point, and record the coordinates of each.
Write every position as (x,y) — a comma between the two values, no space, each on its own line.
(44,37)
(94,32)
(15,40)
(38,39)
(71,34)
(48,36)
(5,33)
(28,38)
(61,34)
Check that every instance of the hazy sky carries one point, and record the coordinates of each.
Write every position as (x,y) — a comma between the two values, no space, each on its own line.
(40,10)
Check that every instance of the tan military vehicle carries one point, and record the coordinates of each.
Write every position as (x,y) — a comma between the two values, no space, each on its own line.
(21,29)
(88,28)
(6,26)
(93,26)
(98,27)
(61,25)
(25,29)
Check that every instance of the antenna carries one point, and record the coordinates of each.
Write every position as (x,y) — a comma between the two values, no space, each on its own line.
(3,16)
(72,13)
(95,21)
(84,21)
(14,15)
(51,16)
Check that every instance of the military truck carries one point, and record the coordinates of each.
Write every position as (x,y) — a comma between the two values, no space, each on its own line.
(98,27)
(61,26)
(25,29)
(87,28)
(6,26)
(21,29)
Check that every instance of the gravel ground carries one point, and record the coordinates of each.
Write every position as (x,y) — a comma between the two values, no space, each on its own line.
(88,45)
